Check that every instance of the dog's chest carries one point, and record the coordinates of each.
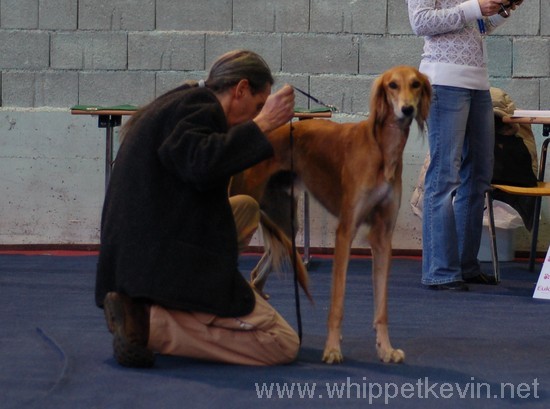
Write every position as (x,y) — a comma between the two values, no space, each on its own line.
(380,195)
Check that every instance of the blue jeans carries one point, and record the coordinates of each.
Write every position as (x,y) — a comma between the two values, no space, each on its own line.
(461,138)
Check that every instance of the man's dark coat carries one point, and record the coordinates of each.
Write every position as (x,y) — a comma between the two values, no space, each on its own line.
(167,231)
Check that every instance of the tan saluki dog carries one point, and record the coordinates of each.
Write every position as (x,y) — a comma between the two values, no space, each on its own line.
(354,171)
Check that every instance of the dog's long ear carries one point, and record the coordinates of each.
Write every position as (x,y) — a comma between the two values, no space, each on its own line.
(425,101)
(379,106)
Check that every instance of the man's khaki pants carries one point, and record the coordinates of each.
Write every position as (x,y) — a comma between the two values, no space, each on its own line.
(261,338)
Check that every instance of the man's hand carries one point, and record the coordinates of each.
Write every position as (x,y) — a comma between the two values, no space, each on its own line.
(277,110)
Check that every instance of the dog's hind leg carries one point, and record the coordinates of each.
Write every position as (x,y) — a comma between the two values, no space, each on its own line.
(380,236)
(278,203)
(278,256)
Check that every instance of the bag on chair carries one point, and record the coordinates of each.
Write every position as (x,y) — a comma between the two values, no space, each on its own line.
(512,162)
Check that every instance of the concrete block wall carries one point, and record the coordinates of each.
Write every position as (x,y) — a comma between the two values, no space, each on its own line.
(58,53)
(133,42)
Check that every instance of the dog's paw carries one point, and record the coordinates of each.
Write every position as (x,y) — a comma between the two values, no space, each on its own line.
(395,356)
(333,356)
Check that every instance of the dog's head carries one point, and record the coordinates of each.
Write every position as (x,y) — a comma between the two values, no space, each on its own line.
(401,92)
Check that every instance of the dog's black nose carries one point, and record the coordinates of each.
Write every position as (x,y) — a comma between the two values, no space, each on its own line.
(407,110)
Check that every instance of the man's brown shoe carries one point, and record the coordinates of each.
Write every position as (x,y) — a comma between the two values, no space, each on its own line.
(128,321)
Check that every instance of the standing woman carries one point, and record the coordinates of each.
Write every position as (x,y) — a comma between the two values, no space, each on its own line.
(460,134)
(167,274)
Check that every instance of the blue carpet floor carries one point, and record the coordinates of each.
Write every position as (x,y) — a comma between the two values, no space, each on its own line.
(488,348)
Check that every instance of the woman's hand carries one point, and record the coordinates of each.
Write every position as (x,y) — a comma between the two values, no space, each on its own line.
(490,7)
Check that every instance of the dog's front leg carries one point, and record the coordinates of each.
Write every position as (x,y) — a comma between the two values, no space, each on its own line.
(380,240)
(332,353)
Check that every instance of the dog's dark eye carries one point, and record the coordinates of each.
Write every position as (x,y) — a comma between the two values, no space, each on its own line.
(392,85)
(415,84)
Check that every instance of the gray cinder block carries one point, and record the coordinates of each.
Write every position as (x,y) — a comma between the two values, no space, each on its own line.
(203,15)
(89,50)
(380,53)
(344,16)
(349,93)
(116,14)
(266,45)
(320,54)
(271,16)
(58,14)
(19,14)
(531,57)
(24,50)
(499,49)
(166,50)
(30,89)
(116,88)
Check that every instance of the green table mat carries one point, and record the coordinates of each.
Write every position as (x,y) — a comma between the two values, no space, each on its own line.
(125,107)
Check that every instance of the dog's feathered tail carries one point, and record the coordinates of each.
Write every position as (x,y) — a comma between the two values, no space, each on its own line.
(277,257)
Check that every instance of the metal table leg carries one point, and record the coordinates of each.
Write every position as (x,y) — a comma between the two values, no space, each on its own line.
(109,122)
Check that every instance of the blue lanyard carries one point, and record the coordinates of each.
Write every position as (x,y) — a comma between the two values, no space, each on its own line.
(481,25)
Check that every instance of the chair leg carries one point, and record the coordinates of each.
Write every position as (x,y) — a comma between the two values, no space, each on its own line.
(492,234)
(538,199)
(534,237)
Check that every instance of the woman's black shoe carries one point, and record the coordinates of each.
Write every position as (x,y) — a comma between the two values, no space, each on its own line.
(452,286)
(481,279)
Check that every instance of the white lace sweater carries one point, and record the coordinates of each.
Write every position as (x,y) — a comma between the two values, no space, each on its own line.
(454,48)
